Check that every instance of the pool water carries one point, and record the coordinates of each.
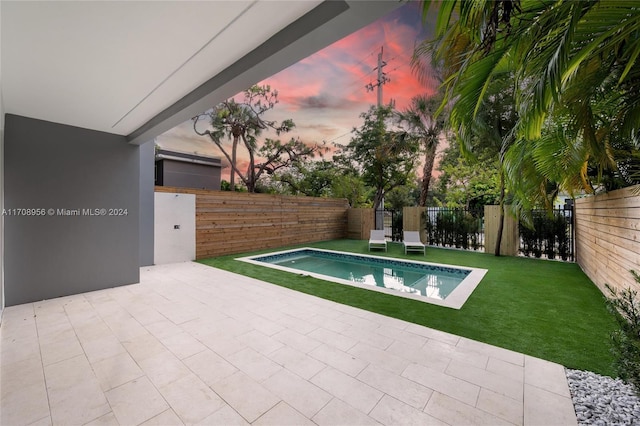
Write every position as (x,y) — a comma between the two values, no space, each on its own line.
(416,278)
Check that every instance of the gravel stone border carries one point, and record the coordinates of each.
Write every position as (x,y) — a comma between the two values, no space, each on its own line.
(601,400)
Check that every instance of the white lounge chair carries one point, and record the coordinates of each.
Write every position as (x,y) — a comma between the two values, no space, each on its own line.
(412,242)
(377,240)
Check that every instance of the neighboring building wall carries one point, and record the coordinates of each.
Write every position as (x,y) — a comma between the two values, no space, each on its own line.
(54,166)
(189,175)
(608,237)
(175,228)
(147,159)
(234,222)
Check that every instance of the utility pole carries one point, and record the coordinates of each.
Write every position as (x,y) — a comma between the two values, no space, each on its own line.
(382,79)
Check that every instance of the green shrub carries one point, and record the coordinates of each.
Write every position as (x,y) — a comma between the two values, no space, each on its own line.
(626,340)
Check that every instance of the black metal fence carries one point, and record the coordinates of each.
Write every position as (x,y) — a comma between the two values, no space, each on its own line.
(457,228)
(393,225)
(552,235)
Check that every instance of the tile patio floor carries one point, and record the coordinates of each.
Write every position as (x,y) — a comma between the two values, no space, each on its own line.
(192,344)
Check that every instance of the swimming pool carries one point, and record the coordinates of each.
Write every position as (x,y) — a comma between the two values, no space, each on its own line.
(439,284)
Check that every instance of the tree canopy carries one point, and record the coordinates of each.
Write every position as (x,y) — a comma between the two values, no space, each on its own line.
(576,79)
(245,121)
(382,153)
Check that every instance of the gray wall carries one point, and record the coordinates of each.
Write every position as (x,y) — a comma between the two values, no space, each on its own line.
(53,166)
(147,159)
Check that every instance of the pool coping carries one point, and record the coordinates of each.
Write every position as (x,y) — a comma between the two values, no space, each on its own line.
(454,300)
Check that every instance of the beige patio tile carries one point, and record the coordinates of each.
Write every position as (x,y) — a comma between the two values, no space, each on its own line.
(209,366)
(337,412)
(343,361)
(297,362)
(368,336)
(506,369)
(260,342)
(501,406)
(331,338)
(136,401)
(225,416)
(398,387)
(102,348)
(300,394)
(546,375)
(448,385)
(231,327)
(403,336)
(419,356)
(163,368)
(254,364)
(436,348)
(191,399)
(65,347)
(486,379)
(357,321)
(493,351)
(430,333)
(166,418)
(222,343)
(108,419)
(144,347)
(352,391)
(23,403)
(390,411)
(235,389)
(296,324)
(451,411)
(163,328)
(75,396)
(268,328)
(328,322)
(387,360)
(115,371)
(182,344)
(46,421)
(542,407)
(283,415)
(19,348)
(297,341)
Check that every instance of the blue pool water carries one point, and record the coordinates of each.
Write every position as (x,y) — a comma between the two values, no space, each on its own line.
(422,279)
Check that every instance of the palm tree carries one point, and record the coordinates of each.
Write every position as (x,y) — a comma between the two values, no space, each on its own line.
(572,63)
(422,121)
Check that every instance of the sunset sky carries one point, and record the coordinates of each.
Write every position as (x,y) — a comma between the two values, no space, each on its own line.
(325,93)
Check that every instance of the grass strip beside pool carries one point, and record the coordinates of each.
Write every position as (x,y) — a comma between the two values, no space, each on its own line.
(545,309)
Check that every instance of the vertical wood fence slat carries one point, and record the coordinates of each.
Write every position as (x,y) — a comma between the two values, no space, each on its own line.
(510,237)
(360,223)
(412,221)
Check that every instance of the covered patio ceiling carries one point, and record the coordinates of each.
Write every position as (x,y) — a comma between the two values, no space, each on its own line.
(139,68)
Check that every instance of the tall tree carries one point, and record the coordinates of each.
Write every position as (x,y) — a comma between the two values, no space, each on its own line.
(383,155)
(427,126)
(245,121)
(241,121)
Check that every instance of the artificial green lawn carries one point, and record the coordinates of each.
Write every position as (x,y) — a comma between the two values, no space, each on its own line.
(546,309)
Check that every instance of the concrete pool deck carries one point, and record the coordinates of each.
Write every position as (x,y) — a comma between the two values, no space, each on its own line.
(192,344)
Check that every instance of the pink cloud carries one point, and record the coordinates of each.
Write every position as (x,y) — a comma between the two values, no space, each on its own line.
(325,93)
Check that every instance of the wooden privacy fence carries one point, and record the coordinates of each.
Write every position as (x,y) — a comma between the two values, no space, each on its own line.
(236,222)
(608,237)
